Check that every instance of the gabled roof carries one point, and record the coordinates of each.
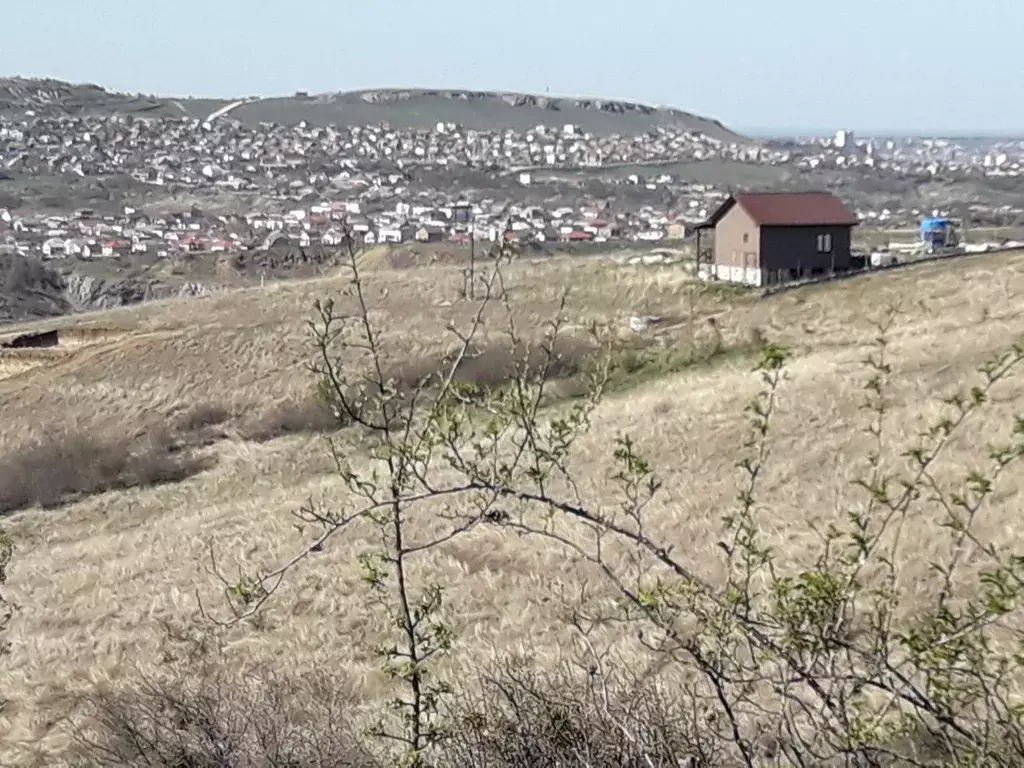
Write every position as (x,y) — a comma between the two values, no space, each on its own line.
(787,209)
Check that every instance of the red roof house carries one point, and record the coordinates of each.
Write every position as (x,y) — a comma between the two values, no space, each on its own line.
(765,237)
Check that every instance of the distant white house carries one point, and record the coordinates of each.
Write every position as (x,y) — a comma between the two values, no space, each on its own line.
(53,248)
(75,247)
(332,237)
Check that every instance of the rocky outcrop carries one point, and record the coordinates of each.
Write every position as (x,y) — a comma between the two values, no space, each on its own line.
(85,292)
(46,95)
(33,290)
(537,101)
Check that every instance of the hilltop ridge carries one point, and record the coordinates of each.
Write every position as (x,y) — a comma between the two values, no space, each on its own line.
(400,107)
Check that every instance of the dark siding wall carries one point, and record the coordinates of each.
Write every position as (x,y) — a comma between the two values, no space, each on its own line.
(730,248)
(790,248)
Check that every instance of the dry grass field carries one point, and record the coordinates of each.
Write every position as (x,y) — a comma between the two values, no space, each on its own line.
(105,580)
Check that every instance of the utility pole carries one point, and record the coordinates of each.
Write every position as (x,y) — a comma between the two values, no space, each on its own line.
(463,211)
(472,257)
(696,263)
(693,330)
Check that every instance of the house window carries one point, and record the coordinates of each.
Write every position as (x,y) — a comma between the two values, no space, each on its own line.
(746,237)
(825,243)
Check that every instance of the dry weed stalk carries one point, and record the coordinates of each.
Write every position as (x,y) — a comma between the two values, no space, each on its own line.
(6,608)
(405,426)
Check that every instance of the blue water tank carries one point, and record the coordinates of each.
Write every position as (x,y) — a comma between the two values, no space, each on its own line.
(935,230)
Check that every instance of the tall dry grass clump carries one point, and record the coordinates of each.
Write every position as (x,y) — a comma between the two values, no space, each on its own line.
(817,662)
(6,609)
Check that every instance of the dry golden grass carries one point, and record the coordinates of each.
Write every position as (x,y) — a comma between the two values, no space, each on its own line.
(16,361)
(100,580)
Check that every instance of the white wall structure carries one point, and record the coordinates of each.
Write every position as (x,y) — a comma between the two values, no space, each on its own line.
(742,275)
(843,139)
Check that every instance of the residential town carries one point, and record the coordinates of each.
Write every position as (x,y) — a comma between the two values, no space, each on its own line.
(276,185)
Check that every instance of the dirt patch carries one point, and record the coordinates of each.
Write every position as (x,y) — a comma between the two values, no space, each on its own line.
(14,362)
(22,352)
(410,255)
(58,337)
(74,338)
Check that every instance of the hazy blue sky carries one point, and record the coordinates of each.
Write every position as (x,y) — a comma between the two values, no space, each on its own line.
(792,64)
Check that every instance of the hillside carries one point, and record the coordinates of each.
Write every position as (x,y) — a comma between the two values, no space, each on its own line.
(32,289)
(104,576)
(400,107)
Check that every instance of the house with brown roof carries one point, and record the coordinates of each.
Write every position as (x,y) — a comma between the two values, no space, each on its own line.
(761,238)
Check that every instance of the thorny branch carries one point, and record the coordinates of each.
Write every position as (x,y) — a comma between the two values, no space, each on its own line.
(400,422)
(824,633)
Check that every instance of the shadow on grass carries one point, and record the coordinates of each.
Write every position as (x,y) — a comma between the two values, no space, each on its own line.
(635,363)
(65,465)
(567,370)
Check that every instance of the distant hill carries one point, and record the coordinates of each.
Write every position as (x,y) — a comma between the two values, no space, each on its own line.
(401,107)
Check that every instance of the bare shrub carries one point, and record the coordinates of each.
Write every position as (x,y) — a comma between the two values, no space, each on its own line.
(499,363)
(310,415)
(393,418)
(201,416)
(523,717)
(216,720)
(514,715)
(60,466)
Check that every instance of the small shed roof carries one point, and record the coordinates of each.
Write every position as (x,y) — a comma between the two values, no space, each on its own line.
(787,209)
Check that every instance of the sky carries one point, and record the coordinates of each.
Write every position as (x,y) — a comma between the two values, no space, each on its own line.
(791,66)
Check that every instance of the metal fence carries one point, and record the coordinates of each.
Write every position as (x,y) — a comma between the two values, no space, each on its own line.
(868,269)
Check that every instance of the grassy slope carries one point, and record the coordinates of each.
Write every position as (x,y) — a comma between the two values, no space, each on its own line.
(97,577)
(425,110)
(422,108)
